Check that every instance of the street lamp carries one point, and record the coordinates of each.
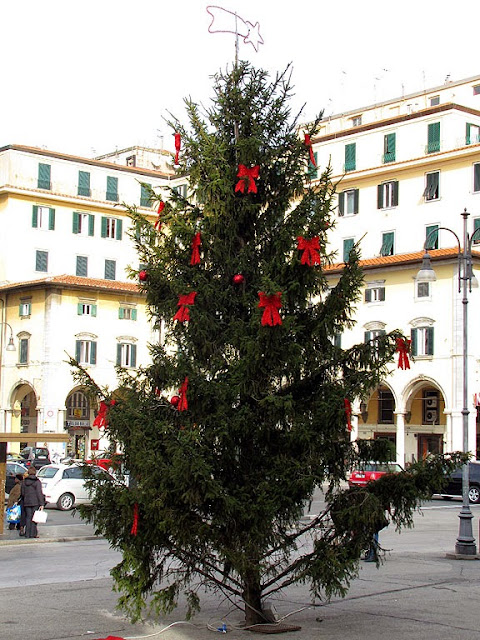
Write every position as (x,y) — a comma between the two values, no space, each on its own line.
(11,345)
(465,544)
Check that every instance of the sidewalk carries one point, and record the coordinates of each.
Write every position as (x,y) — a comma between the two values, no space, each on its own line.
(50,533)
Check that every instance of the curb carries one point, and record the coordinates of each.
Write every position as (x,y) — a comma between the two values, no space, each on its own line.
(6,543)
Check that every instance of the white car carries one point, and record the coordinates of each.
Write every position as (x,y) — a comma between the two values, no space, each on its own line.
(64,484)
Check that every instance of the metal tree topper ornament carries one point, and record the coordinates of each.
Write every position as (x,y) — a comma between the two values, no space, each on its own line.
(224,21)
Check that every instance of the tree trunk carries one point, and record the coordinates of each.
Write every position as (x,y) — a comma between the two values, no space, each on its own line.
(252,595)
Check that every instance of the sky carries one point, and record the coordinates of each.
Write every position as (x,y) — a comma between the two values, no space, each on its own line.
(91,76)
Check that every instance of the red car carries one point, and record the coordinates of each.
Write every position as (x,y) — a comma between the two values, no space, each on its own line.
(372,471)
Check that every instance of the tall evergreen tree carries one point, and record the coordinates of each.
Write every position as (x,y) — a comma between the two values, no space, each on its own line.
(223,470)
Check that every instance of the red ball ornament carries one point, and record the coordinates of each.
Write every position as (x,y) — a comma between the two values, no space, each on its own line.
(175,400)
(238,278)
(143,275)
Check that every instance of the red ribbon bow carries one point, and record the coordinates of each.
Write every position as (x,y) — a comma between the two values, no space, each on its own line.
(158,221)
(271,305)
(247,175)
(308,143)
(178,144)
(134,529)
(182,392)
(101,417)
(196,242)
(403,348)
(310,250)
(348,413)
(183,314)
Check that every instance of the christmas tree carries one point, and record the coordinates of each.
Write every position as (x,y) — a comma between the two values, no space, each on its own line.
(245,409)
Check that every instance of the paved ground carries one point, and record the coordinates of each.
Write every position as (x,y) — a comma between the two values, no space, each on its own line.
(417,592)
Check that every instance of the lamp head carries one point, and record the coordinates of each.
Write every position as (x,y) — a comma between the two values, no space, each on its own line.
(426,273)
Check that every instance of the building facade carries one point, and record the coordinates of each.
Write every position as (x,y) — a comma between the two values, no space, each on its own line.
(405,171)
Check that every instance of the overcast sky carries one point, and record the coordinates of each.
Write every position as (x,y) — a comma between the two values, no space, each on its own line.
(86,77)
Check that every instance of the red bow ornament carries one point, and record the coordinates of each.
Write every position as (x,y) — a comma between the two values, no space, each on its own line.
(178,144)
(196,242)
(183,314)
(182,392)
(101,417)
(158,221)
(348,413)
(134,529)
(271,305)
(310,250)
(308,143)
(403,349)
(247,176)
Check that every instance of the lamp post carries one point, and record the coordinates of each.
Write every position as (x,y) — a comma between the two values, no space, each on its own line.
(465,544)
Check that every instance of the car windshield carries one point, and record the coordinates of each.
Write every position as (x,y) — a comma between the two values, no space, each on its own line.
(381,467)
(47,472)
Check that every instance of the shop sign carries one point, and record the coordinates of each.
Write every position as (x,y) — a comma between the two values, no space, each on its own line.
(78,423)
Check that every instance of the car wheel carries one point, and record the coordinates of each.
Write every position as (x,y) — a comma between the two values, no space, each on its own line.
(474,495)
(65,502)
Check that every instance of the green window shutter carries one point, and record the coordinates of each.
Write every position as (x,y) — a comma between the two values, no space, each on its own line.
(51,219)
(121,313)
(395,193)
(84,184)
(413,338)
(79,309)
(347,247)
(94,310)
(389,151)
(380,188)
(312,171)
(35,216)
(112,189)
(119,355)
(356,197)
(467,134)
(133,314)
(367,334)
(91,224)
(341,203)
(23,356)
(433,137)
(381,297)
(118,229)
(350,156)
(476,225)
(429,344)
(133,353)
(110,269)
(145,195)
(432,188)
(93,353)
(78,345)
(387,243)
(75,222)
(41,261)
(432,241)
(44,176)
(368,295)
(476,177)
(82,266)
(337,340)
(104,227)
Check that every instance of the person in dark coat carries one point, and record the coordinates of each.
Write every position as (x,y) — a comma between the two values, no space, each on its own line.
(15,496)
(33,500)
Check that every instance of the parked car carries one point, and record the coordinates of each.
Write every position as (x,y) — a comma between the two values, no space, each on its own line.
(454,487)
(12,469)
(371,471)
(38,456)
(64,485)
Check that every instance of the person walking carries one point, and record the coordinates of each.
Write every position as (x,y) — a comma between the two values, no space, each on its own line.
(33,499)
(15,497)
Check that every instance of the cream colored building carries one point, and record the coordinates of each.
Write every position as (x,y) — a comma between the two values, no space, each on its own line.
(405,168)
(64,286)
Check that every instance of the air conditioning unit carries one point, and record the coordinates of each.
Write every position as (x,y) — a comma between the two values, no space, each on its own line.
(431,416)
(432,402)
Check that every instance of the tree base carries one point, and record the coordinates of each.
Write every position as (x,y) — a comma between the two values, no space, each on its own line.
(274,627)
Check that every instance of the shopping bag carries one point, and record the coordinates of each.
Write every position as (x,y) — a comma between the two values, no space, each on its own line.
(14,513)
(40,517)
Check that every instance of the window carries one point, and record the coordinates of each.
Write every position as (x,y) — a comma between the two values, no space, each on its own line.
(82,266)
(181,189)
(432,191)
(111,228)
(86,351)
(84,184)
(23,344)
(476,225)
(126,354)
(112,189)
(347,247)
(43,218)
(423,289)
(472,135)
(431,237)
(350,157)
(110,269)
(127,313)
(41,261)
(25,307)
(348,202)
(389,142)
(375,292)
(387,195)
(476,177)
(356,121)
(44,176)
(371,337)
(337,340)
(145,195)
(78,406)
(87,309)
(131,161)
(434,101)
(422,341)
(386,406)
(312,172)
(83,224)
(476,89)
(433,143)
(388,241)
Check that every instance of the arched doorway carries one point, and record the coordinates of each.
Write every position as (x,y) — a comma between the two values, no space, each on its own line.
(77,423)
(426,422)
(23,412)
(377,417)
